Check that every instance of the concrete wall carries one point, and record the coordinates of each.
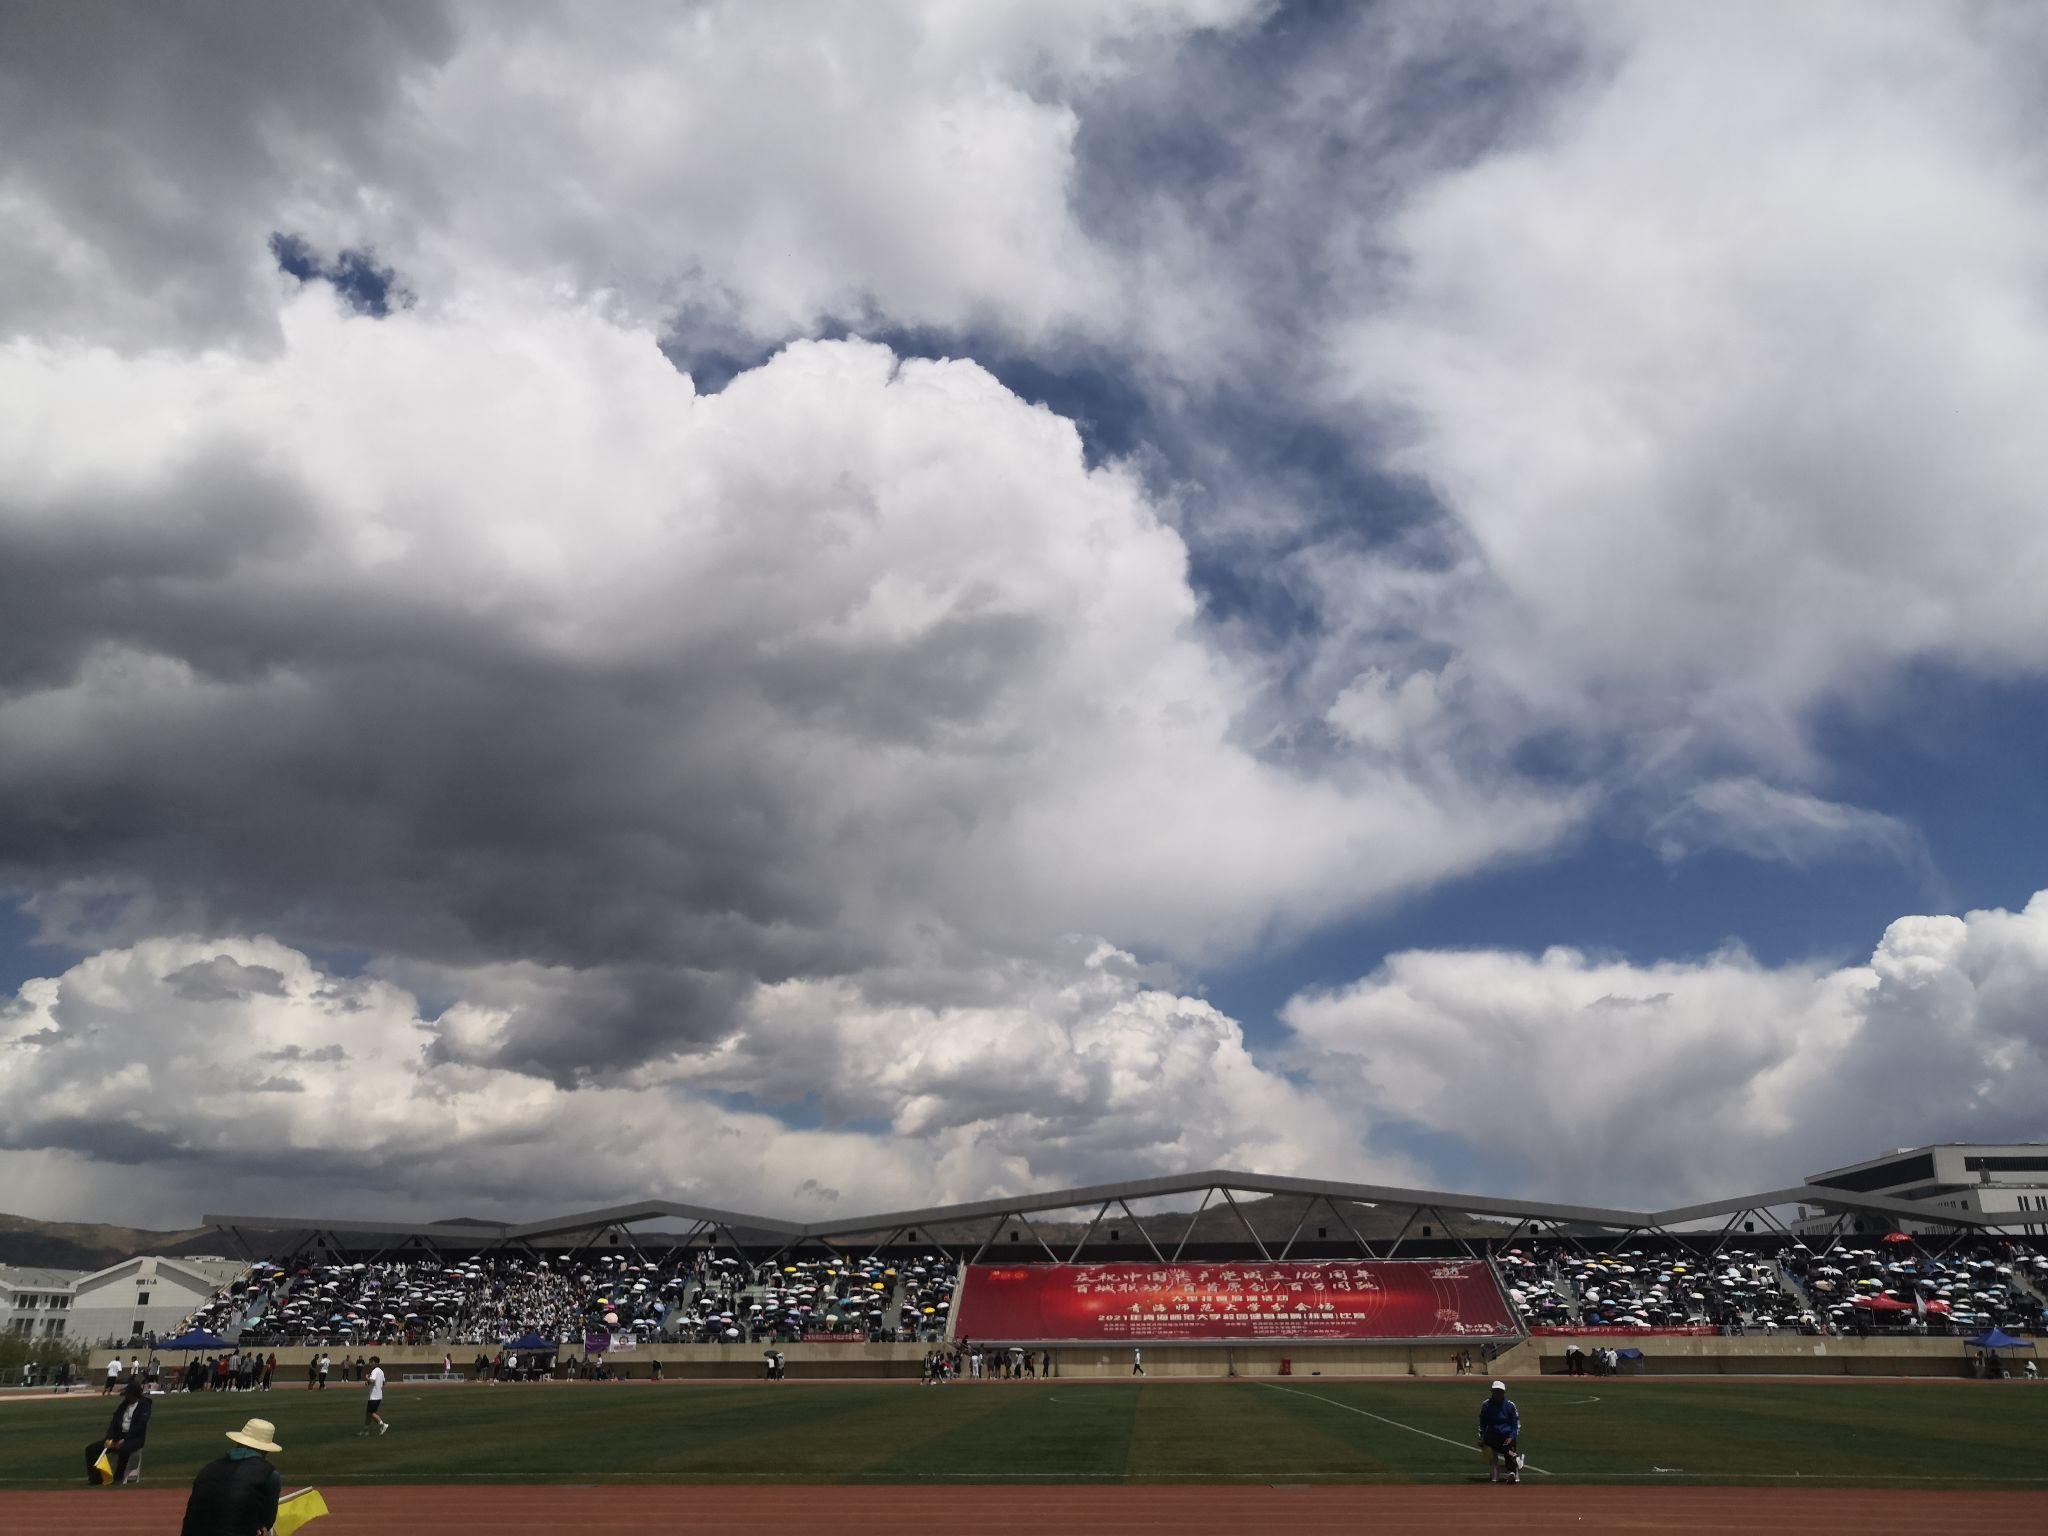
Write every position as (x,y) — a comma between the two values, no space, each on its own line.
(1752,1356)
(1785,1355)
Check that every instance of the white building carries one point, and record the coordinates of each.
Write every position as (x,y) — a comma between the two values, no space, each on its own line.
(35,1301)
(145,1295)
(123,1301)
(2000,1180)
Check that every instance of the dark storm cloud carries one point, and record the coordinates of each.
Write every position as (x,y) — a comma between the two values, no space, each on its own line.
(608,803)
(605,1018)
(158,139)
(224,979)
(324,1053)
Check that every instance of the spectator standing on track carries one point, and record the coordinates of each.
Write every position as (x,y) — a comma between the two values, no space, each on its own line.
(324,1366)
(373,1407)
(237,1495)
(269,1368)
(1045,1366)
(1137,1362)
(1500,1427)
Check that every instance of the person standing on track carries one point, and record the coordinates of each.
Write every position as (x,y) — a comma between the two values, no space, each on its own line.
(373,1409)
(1137,1362)
(1500,1426)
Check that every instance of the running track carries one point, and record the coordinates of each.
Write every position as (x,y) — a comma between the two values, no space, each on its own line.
(1095,1511)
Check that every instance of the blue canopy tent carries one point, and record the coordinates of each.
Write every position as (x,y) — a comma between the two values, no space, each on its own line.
(196,1338)
(1991,1341)
(1997,1338)
(531,1340)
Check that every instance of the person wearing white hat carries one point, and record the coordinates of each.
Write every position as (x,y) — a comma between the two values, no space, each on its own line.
(237,1495)
(1500,1427)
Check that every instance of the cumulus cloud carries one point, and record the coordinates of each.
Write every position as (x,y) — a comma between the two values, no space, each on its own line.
(123,1088)
(1727,367)
(484,640)
(767,168)
(1593,386)
(1564,1074)
(1590,1078)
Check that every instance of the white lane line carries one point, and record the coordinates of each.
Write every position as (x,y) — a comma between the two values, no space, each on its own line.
(1427,1434)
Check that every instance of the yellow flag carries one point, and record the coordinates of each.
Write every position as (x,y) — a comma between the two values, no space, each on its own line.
(105,1467)
(295,1509)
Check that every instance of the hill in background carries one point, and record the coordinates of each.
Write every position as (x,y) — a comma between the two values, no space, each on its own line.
(88,1245)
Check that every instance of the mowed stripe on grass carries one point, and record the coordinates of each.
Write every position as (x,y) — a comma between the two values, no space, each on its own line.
(1318,1430)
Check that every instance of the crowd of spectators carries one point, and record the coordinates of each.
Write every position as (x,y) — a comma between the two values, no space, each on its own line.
(869,1299)
(698,1297)
(1738,1289)
(1899,1286)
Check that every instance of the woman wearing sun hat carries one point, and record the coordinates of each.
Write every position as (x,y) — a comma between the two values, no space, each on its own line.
(237,1495)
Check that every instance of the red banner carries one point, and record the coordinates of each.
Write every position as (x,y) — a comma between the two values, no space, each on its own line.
(1137,1302)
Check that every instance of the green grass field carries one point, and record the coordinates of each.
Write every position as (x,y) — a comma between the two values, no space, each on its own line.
(1933,1434)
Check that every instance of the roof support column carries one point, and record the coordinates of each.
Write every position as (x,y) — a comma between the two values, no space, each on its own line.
(1246,1220)
(1191,1223)
(1141,1230)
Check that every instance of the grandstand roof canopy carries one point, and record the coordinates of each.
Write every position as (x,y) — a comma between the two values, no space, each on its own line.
(1583,1216)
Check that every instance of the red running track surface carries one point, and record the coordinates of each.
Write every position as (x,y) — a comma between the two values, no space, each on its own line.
(1111,1510)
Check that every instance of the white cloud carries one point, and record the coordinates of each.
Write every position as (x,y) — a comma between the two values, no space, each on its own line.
(237,1072)
(1596,1079)
(686,742)
(1729,368)
(1762,821)
(406,631)
(302,1091)
(761,167)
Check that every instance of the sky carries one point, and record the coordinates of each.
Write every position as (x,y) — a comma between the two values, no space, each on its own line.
(821,608)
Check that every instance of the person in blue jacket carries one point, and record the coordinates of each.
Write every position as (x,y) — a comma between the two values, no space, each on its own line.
(1500,1426)
(126,1432)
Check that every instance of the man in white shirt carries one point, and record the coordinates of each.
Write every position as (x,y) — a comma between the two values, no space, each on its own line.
(113,1376)
(373,1409)
(323,1370)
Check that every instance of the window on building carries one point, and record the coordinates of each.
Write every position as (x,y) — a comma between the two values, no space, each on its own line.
(135,1332)
(1429,1232)
(1114,1235)
(1322,1231)
(142,1298)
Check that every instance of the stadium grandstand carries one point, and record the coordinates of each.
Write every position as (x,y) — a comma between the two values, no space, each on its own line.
(1264,1268)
